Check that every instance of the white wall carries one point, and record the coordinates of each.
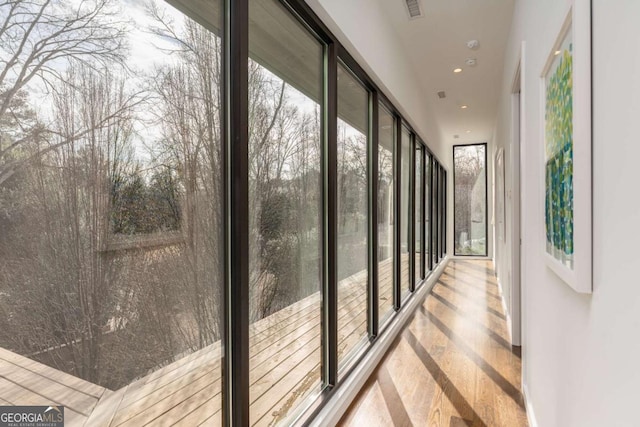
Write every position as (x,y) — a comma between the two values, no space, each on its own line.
(364,30)
(581,352)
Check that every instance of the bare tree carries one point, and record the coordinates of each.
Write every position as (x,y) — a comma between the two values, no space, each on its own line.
(469,170)
(191,146)
(284,162)
(67,299)
(39,38)
(65,295)
(66,225)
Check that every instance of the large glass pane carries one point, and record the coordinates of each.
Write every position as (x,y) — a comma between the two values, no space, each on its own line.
(439,236)
(437,217)
(405,211)
(443,212)
(285,89)
(419,271)
(353,119)
(427,213)
(445,222)
(386,223)
(111,195)
(470,207)
(438,206)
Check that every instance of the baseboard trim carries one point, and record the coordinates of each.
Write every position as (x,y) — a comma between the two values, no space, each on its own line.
(346,393)
(531,416)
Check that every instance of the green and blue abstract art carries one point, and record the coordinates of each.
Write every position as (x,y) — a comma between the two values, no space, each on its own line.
(559,155)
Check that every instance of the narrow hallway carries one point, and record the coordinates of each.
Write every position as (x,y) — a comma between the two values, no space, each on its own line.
(453,365)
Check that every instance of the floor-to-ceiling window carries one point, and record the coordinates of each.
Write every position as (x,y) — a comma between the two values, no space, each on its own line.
(127,166)
(352,197)
(470,199)
(438,208)
(443,212)
(386,214)
(111,187)
(405,210)
(418,218)
(285,196)
(428,216)
(444,226)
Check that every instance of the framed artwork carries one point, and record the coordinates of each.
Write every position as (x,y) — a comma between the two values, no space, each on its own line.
(566,113)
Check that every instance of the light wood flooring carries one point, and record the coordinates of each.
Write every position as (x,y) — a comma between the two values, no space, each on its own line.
(453,364)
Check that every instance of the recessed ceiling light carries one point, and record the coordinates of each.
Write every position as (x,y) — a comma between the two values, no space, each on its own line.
(464,107)
(557,52)
(457,70)
(468,131)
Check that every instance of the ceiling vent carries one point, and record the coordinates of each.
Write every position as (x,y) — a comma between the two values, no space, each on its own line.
(414,9)
(442,95)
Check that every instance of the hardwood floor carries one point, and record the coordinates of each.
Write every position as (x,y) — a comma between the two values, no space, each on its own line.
(453,365)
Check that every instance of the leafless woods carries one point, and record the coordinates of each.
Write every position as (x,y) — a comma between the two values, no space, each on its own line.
(111,187)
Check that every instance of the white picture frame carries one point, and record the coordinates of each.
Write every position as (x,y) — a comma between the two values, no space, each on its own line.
(567,150)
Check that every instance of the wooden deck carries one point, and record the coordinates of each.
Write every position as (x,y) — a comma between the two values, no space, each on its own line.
(285,353)
(27,382)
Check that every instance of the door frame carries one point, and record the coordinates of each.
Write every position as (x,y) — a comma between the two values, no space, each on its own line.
(517,214)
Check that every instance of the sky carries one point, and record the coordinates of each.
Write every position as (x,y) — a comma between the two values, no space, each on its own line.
(148,51)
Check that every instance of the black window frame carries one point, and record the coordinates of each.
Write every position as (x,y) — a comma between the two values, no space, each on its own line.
(235,146)
(486,199)
(235,137)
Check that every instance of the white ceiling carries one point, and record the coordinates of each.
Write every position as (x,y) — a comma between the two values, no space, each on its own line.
(437,43)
